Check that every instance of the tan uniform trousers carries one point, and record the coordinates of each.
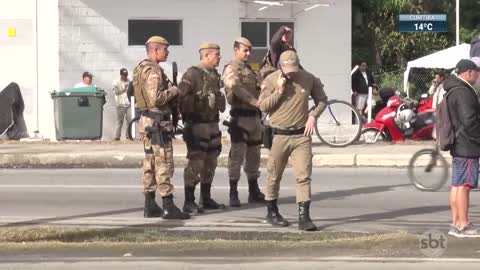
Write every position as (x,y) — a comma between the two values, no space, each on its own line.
(246,140)
(204,144)
(299,148)
(158,168)
(158,164)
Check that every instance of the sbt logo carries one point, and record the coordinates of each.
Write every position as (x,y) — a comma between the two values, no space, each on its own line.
(433,243)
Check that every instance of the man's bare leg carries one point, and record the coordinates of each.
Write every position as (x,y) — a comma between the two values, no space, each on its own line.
(453,205)
(462,205)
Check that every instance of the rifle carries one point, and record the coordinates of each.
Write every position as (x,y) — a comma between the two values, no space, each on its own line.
(175,112)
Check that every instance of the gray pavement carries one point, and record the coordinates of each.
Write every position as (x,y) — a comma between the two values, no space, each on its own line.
(344,199)
(127,154)
(228,263)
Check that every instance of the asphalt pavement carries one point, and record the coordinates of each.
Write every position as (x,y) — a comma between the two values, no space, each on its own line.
(344,199)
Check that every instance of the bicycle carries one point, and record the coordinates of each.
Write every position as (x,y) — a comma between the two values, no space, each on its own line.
(339,125)
(429,161)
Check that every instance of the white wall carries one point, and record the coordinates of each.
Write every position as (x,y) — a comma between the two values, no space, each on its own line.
(322,39)
(48,64)
(19,58)
(324,45)
(251,10)
(93,37)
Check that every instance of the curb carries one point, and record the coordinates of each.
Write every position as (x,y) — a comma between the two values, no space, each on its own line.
(105,160)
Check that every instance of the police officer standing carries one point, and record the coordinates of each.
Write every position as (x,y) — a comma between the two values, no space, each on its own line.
(242,90)
(284,97)
(200,105)
(152,95)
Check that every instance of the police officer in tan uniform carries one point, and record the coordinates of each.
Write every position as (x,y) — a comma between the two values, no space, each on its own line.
(284,97)
(200,106)
(242,90)
(152,97)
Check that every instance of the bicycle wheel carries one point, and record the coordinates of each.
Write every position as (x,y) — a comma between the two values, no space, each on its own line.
(371,135)
(428,170)
(336,127)
(133,130)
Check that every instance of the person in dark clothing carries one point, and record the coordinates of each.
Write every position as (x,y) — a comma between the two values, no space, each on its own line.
(464,110)
(475,47)
(281,41)
(361,80)
(12,122)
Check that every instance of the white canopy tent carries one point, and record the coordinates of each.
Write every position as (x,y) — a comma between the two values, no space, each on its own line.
(445,59)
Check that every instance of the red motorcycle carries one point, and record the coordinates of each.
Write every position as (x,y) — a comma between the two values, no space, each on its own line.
(400,120)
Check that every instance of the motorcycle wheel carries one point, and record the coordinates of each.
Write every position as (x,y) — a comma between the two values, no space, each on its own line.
(371,135)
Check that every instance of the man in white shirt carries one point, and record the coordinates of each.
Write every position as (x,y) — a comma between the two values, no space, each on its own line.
(120,88)
(87,79)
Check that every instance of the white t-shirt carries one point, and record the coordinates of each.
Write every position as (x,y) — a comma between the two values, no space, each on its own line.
(82,84)
(120,91)
(364,73)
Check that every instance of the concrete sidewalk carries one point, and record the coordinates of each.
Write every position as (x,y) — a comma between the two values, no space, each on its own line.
(126,154)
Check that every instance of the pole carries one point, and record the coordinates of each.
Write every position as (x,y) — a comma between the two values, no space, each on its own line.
(457,24)
(369,104)
(132,105)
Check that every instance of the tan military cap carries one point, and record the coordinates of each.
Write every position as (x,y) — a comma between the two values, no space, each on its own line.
(289,62)
(209,45)
(244,41)
(157,39)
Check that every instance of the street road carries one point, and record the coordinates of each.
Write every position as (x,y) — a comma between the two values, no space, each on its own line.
(344,199)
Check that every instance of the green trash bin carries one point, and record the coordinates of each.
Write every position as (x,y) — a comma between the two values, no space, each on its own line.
(78,113)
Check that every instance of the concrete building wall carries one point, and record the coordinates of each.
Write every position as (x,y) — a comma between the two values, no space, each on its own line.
(30,57)
(94,37)
(324,45)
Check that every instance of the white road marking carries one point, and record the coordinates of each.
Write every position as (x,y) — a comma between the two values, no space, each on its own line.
(106,186)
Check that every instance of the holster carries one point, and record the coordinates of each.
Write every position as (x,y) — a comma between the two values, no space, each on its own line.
(188,134)
(235,131)
(157,136)
(267,137)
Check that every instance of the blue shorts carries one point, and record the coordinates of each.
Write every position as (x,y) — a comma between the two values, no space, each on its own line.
(465,172)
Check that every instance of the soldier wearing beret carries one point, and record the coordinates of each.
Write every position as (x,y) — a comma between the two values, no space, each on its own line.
(242,90)
(200,104)
(152,95)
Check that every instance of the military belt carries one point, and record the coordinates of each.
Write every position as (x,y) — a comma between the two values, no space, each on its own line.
(157,116)
(244,113)
(199,118)
(288,132)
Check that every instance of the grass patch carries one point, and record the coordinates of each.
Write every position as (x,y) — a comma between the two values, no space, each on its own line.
(148,235)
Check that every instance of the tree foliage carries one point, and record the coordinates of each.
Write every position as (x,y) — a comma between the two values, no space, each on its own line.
(375,36)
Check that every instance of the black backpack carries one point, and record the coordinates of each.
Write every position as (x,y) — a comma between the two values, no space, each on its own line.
(446,134)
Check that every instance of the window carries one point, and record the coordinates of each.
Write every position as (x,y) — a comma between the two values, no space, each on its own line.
(260,34)
(139,31)
(256,32)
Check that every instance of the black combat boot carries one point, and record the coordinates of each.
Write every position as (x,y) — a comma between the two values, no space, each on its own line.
(206,200)
(151,209)
(190,206)
(234,200)
(170,211)
(304,221)
(254,194)
(273,216)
